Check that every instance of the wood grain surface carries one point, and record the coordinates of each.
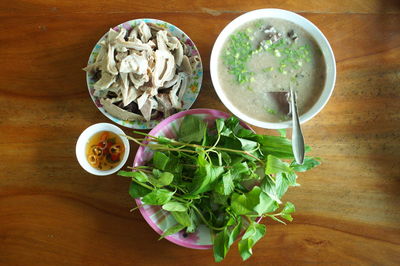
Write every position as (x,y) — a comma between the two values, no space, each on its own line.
(54,213)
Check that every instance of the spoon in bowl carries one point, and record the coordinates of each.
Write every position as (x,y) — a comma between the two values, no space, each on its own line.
(287,104)
(297,135)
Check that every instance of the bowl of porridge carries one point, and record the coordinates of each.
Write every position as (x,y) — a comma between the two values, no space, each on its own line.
(261,54)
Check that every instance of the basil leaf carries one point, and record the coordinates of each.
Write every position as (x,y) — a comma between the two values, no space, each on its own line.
(158,197)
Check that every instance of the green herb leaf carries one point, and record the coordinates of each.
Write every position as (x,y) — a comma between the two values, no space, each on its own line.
(137,191)
(174,206)
(158,197)
(275,165)
(235,232)
(194,221)
(138,175)
(160,160)
(289,208)
(172,230)
(247,145)
(253,234)
(192,129)
(205,175)
(220,245)
(220,123)
(227,186)
(182,218)
(308,164)
(253,202)
(282,132)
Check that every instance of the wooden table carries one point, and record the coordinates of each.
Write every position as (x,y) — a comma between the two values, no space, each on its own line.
(54,213)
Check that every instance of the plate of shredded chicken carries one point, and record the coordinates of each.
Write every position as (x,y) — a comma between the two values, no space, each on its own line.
(143,71)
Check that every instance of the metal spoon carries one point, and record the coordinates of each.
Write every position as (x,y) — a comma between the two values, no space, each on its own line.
(297,135)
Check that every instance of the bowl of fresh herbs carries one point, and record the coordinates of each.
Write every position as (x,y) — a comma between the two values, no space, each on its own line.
(203,179)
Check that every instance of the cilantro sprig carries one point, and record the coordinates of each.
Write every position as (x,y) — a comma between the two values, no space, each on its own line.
(225,177)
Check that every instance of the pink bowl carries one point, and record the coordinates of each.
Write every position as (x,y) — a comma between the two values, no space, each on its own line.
(155,216)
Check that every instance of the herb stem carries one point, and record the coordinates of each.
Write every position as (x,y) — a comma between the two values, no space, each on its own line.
(205,221)
(164,147)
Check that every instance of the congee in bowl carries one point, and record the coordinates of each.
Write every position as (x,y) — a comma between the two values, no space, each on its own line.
(258,55)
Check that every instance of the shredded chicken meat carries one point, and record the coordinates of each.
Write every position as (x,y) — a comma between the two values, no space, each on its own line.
(142,73)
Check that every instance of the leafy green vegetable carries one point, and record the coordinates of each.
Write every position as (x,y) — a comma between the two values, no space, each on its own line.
(174,206)
(192,129)
(138,191)
(253,233)
(160,160)
(172,230)
(308,164)
(224,177)
(182,217)
(158,197)
(139,175)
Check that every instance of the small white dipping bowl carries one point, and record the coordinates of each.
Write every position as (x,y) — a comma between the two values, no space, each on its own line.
(84,139)
(322,42)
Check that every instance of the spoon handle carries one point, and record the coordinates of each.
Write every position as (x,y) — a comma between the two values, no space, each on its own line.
(297,135)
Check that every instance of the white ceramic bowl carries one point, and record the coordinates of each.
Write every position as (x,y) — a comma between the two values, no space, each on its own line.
(83,140)
(323,43)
